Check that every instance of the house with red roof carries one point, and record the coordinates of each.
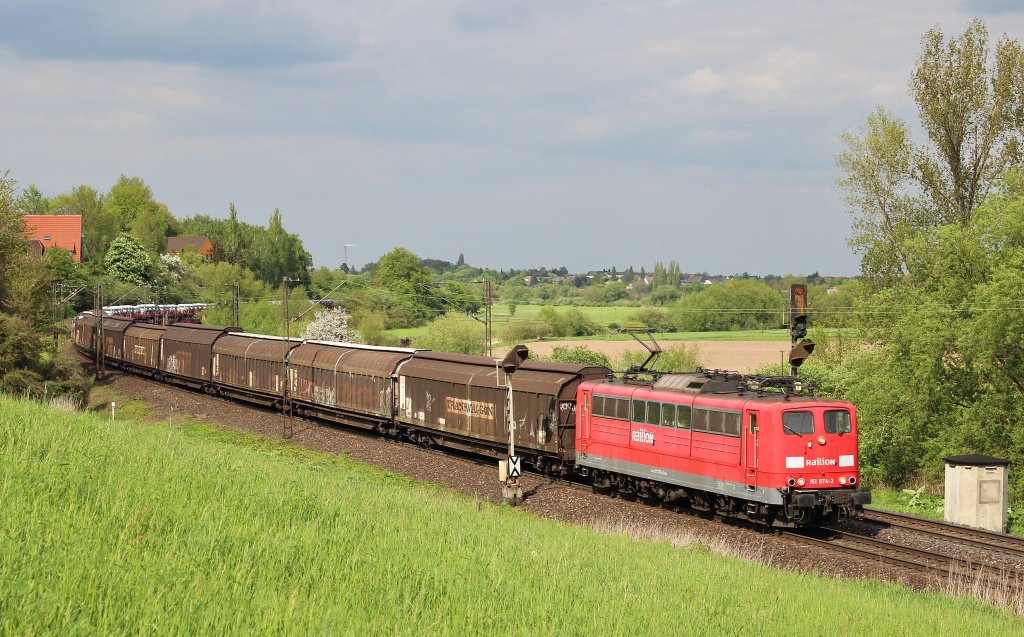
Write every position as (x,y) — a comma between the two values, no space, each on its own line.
(63,232)
(202,244)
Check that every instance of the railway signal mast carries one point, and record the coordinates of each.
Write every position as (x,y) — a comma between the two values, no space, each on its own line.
(802,347)
(510,470)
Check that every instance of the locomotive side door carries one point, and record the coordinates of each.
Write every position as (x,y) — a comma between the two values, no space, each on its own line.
(750,448)
(583,420)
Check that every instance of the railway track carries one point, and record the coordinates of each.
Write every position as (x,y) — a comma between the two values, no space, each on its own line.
(978,538)
(933,564)
(919,560)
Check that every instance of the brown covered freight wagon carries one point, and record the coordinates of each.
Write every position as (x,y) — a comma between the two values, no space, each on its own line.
(459,397)
(113,337)
(83,331)
(186,352)
(142,346)
(251,366)
(345,382)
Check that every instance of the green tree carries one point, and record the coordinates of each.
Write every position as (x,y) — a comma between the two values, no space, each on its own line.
(615,291)
(660,275)
(234,243)
(570,322)
(410,284)
(32,202)
(12,235)
(127,260)
(130,201)
(24,312)
(675,276)
(277,253)
(98,225)
(972,113)
(736,305)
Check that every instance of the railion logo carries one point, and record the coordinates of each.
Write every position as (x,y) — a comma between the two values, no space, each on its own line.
(821,462)
(641,436)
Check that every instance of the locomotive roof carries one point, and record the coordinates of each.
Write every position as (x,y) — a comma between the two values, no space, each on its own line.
(725,386)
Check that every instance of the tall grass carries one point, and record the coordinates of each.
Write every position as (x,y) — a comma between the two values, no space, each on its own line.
(123,528)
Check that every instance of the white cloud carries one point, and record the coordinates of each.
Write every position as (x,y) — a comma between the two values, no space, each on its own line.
(702,82)
(425,114)
(592,127)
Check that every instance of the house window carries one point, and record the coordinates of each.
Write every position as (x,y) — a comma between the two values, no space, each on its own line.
(46,237)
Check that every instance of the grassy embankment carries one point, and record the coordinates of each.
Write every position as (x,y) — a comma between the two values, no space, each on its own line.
(127,528)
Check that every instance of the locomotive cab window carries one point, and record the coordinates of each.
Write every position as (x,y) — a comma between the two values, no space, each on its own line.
(798,423)
(611,407)
(683,416)
(653,413)
(639,410)
(668,415)
(726,423)
(622,408)
(838,422)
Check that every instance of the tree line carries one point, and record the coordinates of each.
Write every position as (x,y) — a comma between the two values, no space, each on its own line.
(936,362)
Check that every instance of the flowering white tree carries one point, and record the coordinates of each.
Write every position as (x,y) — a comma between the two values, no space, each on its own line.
(171,263)
(330,325)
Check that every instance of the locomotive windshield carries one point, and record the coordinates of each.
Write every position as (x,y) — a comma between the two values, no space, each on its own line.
(838,422)
(798,423)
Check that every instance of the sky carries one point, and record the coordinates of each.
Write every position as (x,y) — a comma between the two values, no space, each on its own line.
(585,134)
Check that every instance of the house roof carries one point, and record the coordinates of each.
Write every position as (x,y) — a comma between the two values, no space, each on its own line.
(60,231)
(177,244)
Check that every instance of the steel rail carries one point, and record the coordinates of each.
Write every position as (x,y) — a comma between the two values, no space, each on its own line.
(978,538)
(859,551)
(920,559)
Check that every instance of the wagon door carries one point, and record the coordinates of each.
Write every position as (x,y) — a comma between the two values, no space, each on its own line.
(750,449)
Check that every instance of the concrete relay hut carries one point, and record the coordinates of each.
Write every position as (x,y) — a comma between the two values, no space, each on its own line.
(976,491)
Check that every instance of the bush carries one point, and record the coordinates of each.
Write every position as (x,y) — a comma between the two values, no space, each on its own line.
(372,328)
(525,330)
(571,322)
(677,358)
(653,317)
(736,305)
(449,333)
(579,354)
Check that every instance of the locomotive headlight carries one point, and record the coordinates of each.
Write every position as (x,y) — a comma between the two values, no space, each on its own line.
(853,480)
(821,440)
(842,479)
(800,482)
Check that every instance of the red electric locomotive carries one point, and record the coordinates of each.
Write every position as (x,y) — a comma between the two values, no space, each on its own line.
(722,442)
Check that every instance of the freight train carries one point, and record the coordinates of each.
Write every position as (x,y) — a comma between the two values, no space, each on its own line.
(742,446)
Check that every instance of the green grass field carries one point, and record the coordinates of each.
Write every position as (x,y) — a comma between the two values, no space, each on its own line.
(604,316)
(128,528)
